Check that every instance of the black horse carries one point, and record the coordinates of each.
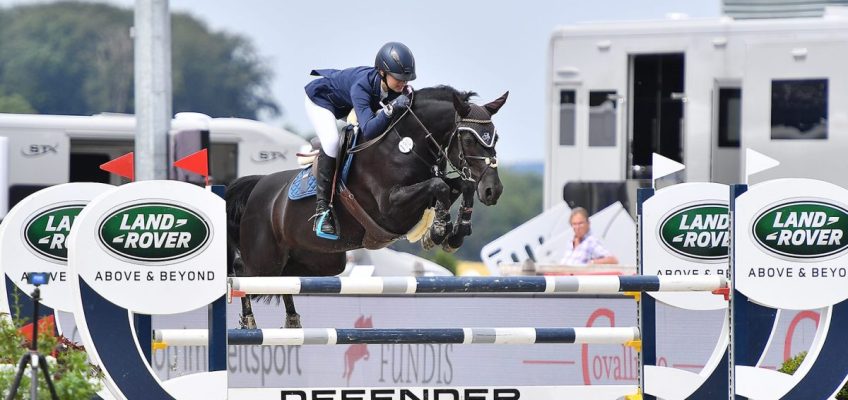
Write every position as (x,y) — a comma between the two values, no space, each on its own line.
(442,148)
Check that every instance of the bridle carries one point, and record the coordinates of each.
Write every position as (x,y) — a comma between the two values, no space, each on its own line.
(443,167)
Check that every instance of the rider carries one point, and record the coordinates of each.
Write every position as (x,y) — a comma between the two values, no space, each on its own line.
(374,93)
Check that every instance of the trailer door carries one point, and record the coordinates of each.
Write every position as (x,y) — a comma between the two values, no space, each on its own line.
(656,110)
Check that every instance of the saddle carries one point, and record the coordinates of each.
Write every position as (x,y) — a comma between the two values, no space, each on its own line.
(305,185)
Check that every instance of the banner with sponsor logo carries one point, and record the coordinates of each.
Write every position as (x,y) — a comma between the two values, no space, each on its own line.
(34,238)
(152,247)
(789,253)
(685,232)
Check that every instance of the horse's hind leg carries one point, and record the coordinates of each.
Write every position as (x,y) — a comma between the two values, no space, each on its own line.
(247,320)
(292,317)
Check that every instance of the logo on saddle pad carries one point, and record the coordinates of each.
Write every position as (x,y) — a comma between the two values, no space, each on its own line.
(802,229)
(47,231)
(698,232)
(154,232)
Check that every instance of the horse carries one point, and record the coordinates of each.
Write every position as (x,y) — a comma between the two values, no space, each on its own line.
(440,148)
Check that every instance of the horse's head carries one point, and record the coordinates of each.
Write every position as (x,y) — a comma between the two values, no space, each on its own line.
(475,152)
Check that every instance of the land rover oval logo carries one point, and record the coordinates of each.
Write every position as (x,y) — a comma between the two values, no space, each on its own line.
(154,232)
(802,229)
(47,231)
(699,232)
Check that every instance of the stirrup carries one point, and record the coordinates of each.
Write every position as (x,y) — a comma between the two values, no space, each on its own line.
(321,218)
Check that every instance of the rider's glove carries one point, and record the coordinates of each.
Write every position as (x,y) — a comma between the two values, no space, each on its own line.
(401,101)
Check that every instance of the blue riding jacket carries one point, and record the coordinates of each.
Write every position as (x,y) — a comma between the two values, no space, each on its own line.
(357,88)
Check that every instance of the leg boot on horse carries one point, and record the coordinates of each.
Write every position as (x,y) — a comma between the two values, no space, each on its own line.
(325,220)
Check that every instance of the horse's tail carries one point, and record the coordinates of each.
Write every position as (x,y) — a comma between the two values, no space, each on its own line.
(237,194)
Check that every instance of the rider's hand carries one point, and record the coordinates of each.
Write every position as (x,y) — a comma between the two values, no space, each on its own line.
(401,101)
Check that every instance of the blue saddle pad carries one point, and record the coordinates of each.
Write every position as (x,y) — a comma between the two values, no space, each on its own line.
(305,184)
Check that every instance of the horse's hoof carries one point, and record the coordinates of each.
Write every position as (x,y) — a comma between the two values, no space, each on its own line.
(446,246)
(247,322)
(427,242)
(293,321)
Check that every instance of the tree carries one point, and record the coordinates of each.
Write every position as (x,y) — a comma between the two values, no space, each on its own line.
(77,58)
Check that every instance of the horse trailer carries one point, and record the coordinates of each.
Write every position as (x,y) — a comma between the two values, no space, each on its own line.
(697,91)
(44,150)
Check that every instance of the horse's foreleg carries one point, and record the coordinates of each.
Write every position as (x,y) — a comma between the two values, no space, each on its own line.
(292,317)
(462,227)
(247,321)
(433,188)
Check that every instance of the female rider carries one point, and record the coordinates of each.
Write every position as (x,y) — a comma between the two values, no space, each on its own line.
(374,93)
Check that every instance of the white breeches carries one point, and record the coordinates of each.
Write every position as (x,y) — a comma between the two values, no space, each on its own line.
(324,123)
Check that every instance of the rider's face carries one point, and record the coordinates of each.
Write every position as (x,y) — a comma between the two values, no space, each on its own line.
(394,84)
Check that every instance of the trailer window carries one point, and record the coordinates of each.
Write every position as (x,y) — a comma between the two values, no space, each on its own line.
(729,116)
(799,109)
(567,100)
(602,115)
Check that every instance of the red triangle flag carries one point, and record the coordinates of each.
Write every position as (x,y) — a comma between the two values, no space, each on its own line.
(197,162)
(122,166)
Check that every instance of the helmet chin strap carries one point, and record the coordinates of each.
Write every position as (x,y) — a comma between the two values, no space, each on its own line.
(384,80)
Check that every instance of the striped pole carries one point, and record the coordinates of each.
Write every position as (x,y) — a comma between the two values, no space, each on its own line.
(330,336)
(486,284)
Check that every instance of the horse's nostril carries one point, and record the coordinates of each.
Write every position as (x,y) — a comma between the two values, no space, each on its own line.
(488,193)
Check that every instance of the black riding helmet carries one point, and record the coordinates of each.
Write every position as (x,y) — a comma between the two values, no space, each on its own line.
(395,59)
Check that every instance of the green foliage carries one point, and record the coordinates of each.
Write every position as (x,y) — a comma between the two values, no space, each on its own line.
(72,375)
(15,104)
(791,365)
(520,201)
(446,260)
(77,58)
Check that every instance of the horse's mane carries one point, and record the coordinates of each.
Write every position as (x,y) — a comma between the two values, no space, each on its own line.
(442,93)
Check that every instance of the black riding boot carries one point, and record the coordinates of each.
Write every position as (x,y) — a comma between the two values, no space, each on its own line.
(325,222)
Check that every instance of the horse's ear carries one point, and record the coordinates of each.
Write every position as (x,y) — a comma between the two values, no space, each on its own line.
(496,104)
(461,106)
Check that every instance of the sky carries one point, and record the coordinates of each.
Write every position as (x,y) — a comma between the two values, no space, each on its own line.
(486,46)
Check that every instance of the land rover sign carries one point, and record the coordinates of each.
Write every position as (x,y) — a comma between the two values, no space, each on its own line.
(684,231)
(34,238)
(699,232)
(46,231)
(144,243)
(154,232)
(802,229)
(790,241)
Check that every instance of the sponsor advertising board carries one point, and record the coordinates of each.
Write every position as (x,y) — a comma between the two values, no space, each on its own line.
(789,253)
(34,238)
(685,232)
(152,247)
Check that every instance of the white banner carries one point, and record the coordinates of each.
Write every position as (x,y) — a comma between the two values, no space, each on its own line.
(791,237)
(34,238)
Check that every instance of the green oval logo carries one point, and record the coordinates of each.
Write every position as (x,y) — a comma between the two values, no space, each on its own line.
(699,232)
(802,229)
(47,231)
(154,232)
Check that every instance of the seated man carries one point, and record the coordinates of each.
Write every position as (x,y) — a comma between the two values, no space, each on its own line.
(585,248)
